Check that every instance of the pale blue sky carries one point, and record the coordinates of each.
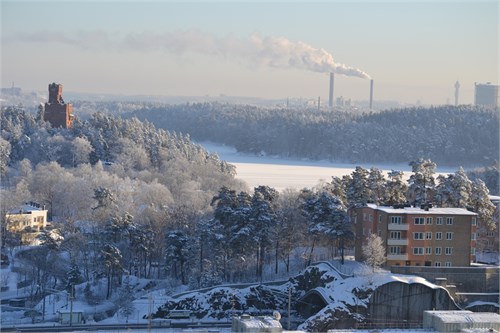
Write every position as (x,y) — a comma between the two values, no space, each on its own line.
(413,50)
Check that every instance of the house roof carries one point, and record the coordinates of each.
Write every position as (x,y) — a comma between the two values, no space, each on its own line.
(27,208)
(420,211)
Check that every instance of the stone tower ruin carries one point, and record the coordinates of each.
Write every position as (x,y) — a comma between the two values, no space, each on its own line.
(56,112)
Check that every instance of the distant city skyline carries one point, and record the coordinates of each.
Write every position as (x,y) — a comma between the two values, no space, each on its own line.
(414,51)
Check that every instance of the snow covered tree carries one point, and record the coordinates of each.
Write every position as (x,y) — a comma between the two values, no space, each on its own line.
(374,251)
(73,277)
(81,149)
(291,224)
(376,185)
(177,253)
(111,259)
(357,191)
(327,217)
(422,181)
(395,189)
(263,219)
(337,188)
(5,149)
(482,205)
(454,190)
(125,299)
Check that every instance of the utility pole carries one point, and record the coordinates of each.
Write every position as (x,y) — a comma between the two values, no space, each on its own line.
(71,306)
(289,305)
(150,311)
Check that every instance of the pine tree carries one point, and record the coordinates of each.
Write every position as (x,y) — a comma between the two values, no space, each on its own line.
(395,189)
(482,205)
(421,182)
(376,185)
(263,219)
(357,190)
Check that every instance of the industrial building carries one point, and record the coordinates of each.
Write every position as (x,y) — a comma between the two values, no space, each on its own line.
(487,94)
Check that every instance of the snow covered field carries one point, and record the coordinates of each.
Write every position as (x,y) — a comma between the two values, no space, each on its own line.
(281,173)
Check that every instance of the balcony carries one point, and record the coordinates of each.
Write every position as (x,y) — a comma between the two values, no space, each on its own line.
(395,226)
(397,256)
(402,241)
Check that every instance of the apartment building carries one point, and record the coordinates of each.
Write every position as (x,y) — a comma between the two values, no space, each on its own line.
(418,236)
(27,221)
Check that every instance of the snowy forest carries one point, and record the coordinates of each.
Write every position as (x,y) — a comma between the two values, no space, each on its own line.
(127,198)
(451,136)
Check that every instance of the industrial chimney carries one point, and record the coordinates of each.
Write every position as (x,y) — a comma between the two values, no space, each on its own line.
(330,96)
(371,94)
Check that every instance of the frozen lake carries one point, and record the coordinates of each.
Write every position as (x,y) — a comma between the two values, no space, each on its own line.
(281,173)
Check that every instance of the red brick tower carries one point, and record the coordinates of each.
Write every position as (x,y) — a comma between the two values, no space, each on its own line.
(58,113)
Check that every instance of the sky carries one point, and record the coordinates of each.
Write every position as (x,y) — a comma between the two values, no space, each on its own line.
(413,50)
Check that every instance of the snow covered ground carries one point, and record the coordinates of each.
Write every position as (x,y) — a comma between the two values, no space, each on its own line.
(281,173)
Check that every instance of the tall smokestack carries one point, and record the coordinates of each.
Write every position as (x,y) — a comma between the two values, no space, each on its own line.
(319,103)
(371,94)
(330,96)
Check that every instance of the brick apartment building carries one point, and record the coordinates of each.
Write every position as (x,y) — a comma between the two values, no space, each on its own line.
(416,236)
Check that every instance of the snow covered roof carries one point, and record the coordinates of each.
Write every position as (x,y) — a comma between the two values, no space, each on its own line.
(28,207)
(466,317)
(419,211)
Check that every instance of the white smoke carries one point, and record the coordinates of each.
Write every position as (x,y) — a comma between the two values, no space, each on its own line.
(278,52)
(281,52)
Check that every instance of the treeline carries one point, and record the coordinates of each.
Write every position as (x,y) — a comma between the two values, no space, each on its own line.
(448,135)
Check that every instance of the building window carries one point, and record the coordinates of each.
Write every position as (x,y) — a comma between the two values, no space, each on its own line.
(439,220)
(490,233)
(418,251)
(447,264)
(370,218)
(473,251)
(448,251)
(449,220)
(395,250)
(419,220)
(439,235)
(365,216)
(474,221)
(473,236)
(395,235)
(380,218)
(437,263)
(449,235)
(396,219)
(428,235)
(418,235)
(428,220)
(438,251)
(428,250)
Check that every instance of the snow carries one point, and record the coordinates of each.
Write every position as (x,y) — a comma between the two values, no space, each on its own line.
(418,210)
(282,173)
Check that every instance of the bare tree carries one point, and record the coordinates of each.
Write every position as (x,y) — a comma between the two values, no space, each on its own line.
(374,251)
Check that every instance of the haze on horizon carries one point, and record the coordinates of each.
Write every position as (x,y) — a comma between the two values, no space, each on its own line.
(415,51)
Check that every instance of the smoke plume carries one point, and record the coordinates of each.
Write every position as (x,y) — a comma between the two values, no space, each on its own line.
(278,52)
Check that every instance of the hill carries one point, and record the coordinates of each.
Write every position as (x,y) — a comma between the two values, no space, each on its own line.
(450,136)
